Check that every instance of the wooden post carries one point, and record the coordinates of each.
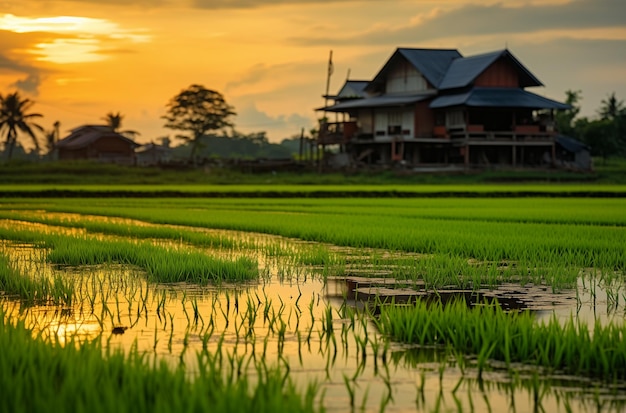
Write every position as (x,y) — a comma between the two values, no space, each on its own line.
(514,153)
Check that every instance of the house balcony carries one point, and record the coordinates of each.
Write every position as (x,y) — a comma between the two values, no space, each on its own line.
(332,133)
(478,133)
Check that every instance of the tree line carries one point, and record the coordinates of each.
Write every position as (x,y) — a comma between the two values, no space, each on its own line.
(605,134)
(201,116)
(204,120)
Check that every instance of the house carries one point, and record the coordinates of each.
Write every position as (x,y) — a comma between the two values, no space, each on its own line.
(99,143)
(572,154)
(437,107)
(153,154)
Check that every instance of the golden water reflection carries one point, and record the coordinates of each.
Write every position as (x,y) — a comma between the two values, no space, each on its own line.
(294,316)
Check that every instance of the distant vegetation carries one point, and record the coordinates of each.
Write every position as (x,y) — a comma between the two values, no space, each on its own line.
(605,135)
(208,131)
(82,173)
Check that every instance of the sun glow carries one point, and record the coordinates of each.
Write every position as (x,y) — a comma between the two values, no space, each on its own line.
(80,39)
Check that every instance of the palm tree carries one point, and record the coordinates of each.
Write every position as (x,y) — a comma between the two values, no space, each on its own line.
(52,137)
(14,118)
(114,121)
(611,107)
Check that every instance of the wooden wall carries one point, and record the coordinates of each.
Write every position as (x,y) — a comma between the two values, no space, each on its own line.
(500,74)
(424,120)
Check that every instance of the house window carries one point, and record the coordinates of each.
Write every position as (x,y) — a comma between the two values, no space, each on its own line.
(394,123)
(455,118)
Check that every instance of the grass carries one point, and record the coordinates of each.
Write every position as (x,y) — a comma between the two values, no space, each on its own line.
(490,333)
(161,264)
(467,243)
(37,375)
(40,289)
(98,173)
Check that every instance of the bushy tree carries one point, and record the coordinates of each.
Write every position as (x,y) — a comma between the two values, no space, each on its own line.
(198,111)
(565,119)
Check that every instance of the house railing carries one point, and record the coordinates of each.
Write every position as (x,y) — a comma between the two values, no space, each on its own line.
(517,133)
(336,132)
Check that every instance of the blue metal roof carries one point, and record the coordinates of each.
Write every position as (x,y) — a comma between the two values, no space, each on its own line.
(377,102)
(432,63)
(571,144)
(463,71)
(497,97)
(353,89)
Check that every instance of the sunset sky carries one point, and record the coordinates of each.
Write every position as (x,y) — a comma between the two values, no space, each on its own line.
(81,59)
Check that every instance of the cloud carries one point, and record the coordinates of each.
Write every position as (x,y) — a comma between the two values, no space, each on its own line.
(249,4)
(251,119)
(476,19)
(30,84)
(31,75)
(71,39)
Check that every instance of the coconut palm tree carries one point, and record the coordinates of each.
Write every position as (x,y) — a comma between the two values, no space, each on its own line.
(52,137)
(14,118)
(114,121)
(611,107)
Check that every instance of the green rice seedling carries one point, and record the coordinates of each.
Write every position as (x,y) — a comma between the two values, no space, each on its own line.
(111,380)
(38,289)
(491,333)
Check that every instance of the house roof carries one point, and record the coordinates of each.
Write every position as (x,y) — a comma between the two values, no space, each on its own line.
(431,63)
(87,134)
(463,71)
(152,147)
(352,89)
(497,97)
(378,101)
(571,144)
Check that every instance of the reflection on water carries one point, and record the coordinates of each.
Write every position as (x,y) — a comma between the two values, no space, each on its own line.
(321,329)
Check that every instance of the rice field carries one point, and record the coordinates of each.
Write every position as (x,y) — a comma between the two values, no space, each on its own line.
(305,304)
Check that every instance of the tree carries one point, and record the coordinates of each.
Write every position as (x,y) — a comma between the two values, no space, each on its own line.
(198,110)
(52,137)
(14,118)
(565,118)
(600,135)
(114,121)
(611,108)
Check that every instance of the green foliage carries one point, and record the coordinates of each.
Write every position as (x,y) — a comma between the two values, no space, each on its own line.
(546,239)
(565,119)
(491,333)
(42,375)
(14,118)
(161,264)
(114,121)
(198,110)
(606,136)
(38,290)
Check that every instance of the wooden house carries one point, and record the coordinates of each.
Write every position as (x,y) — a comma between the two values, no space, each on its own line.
(152,154)
(99,143)
(436,107)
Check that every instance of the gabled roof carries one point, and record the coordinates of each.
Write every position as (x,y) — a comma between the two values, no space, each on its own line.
(378,101)
(487,97)
(463,71)
(431,63)
(87,134)
(352,89)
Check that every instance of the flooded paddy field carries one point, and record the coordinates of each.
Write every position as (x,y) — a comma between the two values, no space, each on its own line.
(342,305)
